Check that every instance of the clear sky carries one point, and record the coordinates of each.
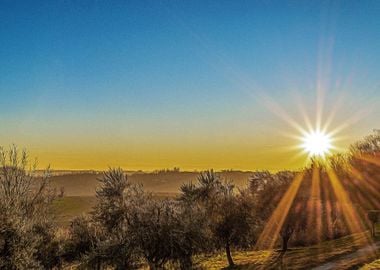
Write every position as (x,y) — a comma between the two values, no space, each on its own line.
(192,84)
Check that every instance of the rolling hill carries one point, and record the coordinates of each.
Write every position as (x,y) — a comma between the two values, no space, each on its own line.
(85,183)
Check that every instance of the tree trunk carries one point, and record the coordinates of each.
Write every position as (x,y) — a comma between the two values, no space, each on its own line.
(186,263)
(228,253)
(152,266)
(373,229)
(285,241)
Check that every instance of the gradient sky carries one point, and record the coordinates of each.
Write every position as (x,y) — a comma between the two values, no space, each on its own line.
(192,84)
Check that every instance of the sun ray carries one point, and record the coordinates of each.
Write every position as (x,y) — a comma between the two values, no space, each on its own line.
(369,158)
(350,121)
(329,216)
(314,204)
(342,197)
(302,110)
(370,183)
(330,118)
(350,215)
(269,236)
(280,112)
(372,191)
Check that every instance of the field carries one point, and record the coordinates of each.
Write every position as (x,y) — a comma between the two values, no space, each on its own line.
(85,183)
(69,207)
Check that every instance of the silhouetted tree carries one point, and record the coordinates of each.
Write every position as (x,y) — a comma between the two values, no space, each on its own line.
(229,215)
(295,221)
(115,244)
(373,217)
(232,220)
(267,190)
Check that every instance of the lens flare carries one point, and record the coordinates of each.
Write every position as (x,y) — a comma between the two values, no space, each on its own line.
(317,143)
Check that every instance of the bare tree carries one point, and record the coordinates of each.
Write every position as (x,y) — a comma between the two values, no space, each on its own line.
(26,232)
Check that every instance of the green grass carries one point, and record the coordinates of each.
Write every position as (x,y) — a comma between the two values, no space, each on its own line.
(296,258)
(67,208)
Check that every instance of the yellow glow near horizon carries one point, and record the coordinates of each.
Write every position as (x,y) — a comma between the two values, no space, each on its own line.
(317,143)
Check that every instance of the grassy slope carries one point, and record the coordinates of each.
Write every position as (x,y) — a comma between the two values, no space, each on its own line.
(297,258)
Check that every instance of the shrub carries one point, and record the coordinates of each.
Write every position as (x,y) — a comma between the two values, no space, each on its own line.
(26,234)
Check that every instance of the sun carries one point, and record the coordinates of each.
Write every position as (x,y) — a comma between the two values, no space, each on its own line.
(317,143)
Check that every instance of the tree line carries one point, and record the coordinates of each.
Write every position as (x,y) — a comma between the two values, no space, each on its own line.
(128,227)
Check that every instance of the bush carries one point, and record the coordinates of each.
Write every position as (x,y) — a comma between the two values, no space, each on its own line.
(27,238)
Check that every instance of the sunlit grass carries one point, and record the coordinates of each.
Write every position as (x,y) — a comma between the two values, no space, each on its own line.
(295,258)
(372,266)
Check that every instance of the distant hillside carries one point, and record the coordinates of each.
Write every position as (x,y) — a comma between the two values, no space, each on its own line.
(85,183)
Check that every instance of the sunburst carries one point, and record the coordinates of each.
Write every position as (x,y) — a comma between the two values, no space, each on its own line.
(317,143)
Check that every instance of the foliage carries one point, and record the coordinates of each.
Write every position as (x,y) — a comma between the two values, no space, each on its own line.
(81,240)
(113,244)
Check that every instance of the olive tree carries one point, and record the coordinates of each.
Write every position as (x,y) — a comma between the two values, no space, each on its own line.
(373,217)
(115,242)
(229,214)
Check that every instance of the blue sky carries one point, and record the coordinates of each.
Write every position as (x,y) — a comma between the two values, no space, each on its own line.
(79,76)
